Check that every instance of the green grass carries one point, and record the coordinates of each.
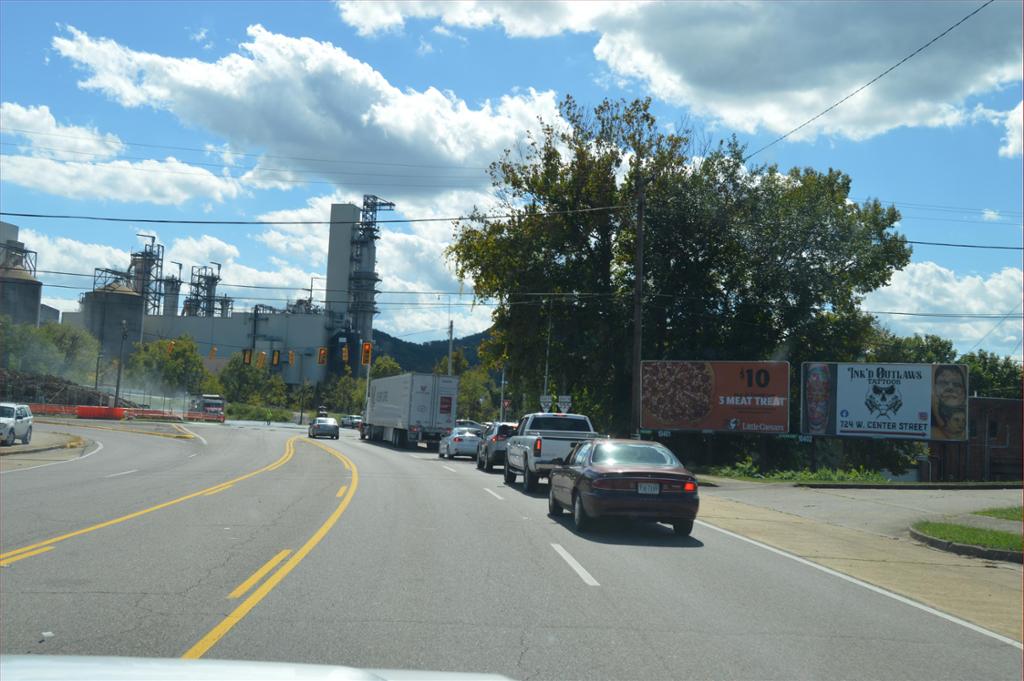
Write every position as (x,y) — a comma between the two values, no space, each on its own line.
(961,534)
(251,412)
(1008,513)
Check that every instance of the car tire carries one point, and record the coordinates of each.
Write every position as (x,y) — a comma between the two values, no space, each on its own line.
(510,475)
(683,528)
(579,514)
(28,436)
(479,461)
(554,508)
(9,441)
(440,453)
(529,481)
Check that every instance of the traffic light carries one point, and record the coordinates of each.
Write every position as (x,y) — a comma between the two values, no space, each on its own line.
(367,351)
(344,353)
(213,352)
(247,356)
(291,358)
(261,361)
(275,358)
(321,356)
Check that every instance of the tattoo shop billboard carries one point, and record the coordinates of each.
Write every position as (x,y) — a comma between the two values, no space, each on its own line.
(899,401)
(733,397)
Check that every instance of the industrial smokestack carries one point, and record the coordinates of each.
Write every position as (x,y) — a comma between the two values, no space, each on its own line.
(172,291)
(339,257)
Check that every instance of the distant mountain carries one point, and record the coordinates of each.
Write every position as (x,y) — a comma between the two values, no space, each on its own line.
(424,356)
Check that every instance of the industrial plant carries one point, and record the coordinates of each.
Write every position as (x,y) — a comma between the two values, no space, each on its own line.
(144,302)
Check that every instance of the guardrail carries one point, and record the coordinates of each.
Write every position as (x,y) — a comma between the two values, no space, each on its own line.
(118,413)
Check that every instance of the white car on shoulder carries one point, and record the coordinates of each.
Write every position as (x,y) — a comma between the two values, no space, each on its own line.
(460,442)
(15,423)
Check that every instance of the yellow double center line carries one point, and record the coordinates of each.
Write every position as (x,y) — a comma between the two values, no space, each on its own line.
(243,609)
(43,546)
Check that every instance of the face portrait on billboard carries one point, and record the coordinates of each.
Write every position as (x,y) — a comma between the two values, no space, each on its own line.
(949,403)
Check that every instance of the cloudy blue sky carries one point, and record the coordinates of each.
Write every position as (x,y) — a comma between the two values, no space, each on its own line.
(249,111)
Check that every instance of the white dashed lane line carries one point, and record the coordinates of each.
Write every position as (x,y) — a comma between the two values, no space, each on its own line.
(575,565)
(494,494)
(114,475)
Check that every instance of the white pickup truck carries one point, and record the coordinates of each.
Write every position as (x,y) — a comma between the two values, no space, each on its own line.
(541,442)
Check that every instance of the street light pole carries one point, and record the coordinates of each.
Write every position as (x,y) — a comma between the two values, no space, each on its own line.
(120,361)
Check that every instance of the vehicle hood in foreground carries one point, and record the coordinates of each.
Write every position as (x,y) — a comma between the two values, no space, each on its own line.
(88,668)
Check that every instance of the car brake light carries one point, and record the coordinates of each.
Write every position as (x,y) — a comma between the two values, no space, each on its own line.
(456,439)
(690,486)
(494,438)
(536,446)
(614,484)
(501,437)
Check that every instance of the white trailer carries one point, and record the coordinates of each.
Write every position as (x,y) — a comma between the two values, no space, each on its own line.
(411,408)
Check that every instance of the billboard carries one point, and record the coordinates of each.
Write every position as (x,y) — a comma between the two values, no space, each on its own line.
(736,397)
(900,401)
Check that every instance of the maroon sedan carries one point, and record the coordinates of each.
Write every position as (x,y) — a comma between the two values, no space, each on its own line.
(624,478)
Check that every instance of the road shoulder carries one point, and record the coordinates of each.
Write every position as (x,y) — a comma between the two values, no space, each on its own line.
(979,591)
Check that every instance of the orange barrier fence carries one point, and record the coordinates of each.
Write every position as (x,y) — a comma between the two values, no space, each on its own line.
(117,413)
(53,409)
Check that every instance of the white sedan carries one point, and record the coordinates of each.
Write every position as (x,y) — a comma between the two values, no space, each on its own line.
(460,442)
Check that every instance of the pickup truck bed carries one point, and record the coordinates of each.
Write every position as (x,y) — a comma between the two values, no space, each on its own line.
(541,442)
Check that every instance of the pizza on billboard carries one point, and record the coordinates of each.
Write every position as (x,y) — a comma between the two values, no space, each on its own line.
(744,397)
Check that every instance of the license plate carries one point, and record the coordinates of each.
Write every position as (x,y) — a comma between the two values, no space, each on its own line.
(648,487)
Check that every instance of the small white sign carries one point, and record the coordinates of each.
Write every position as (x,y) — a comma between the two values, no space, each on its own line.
(564,402)
(545,402)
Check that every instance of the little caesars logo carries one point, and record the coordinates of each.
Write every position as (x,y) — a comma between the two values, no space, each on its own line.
(884,398)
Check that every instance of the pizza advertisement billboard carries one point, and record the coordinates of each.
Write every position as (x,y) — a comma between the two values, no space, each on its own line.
(895,401)
(734,397)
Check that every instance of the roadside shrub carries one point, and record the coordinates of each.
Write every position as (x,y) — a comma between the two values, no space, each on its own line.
(748,469)
(251,412)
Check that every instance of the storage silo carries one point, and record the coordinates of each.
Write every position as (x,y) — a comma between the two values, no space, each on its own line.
(20,291)
(104,309)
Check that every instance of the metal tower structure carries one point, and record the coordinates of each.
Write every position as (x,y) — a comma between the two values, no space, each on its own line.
(146,274)
(202,296)
(363,277)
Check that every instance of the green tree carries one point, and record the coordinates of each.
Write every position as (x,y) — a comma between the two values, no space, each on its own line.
(916,349)
(242,382)
(740,262)
(274,392)
(990,375)
(23,347)
(459,363)
(477,399)
(384,366)
(170,364)
(78,349)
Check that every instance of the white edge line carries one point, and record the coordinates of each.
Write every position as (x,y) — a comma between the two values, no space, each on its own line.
(99,446)
(574,564)
(877,589)
(494,494)
(193,434)
(191,455)
(114,475)
(451,469)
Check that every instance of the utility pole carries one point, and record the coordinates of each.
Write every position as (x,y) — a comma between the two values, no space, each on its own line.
(547,353)
(638,293)
(501,407)
(451,328)
(302,390)
(120,361)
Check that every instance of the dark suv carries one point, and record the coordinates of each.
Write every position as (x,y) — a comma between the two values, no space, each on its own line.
(492,445)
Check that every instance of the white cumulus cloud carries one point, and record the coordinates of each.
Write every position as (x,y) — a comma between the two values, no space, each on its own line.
(926,287)
(771,66)
(1014,123)
(49,139)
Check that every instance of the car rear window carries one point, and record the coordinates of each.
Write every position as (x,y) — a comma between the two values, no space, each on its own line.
(506,430)
(574,423)
(641,455)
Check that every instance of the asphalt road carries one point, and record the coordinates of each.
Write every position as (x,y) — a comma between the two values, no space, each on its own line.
(388,558)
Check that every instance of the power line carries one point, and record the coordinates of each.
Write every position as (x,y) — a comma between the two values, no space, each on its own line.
(102,218)
(938,243)
(874,80)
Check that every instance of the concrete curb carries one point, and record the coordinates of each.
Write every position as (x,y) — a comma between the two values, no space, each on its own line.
(920,485)
(178,436)
(967,549)
(73,442)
